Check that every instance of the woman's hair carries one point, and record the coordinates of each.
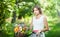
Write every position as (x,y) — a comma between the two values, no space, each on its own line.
(36,6)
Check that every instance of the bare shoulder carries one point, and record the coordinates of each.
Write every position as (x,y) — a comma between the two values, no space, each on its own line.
(44,17)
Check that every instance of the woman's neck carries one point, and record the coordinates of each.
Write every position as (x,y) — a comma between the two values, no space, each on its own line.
(38,16)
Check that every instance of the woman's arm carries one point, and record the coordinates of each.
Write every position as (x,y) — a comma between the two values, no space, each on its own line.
(45,24)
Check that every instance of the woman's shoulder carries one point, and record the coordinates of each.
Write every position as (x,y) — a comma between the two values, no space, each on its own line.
(33,16)
(44,16)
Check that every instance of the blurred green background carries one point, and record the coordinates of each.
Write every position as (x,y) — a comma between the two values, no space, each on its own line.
(16,11)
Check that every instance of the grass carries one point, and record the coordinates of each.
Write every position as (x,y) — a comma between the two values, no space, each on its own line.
(55,31)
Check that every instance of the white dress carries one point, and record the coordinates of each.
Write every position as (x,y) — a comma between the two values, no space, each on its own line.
(38,25)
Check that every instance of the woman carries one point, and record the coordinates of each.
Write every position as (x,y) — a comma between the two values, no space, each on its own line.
(39,23)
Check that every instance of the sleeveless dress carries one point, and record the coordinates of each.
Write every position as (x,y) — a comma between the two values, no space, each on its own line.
(38,25)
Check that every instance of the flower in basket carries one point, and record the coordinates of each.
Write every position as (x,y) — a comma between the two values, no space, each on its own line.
(23,29)
(16,29)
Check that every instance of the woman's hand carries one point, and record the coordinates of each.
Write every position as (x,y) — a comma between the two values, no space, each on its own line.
(38,32)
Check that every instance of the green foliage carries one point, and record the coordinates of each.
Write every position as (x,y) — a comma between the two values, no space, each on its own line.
(7,30)
(55,31)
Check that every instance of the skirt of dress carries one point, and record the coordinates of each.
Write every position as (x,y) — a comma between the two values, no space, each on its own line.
(39,35)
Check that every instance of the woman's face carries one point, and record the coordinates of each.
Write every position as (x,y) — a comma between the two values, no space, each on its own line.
(36,11)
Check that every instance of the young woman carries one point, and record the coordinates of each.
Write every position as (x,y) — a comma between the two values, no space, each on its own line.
(39,23)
